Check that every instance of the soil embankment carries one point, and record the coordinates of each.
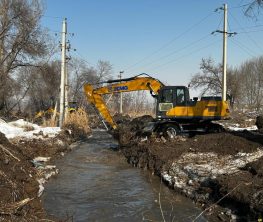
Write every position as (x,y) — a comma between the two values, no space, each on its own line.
(25,165)
(223,170)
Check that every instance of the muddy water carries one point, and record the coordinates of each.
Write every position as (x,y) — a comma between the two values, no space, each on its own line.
(96,184)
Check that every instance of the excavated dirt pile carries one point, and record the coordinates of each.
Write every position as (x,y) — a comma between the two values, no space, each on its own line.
(22,175)
(225,169)
(130,130)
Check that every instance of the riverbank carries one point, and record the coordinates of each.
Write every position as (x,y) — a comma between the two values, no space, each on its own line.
(26,163)
(222,173)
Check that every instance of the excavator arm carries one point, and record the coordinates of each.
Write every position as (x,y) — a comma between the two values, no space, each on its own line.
(95,95)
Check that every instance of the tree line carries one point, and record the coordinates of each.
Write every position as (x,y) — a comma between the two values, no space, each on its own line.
(30,72)
(244,83)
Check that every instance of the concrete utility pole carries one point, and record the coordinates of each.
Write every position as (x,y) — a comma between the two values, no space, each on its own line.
(63,73)
(224,54)
(121,111)
(225,35)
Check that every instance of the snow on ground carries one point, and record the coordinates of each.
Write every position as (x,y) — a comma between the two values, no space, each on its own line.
(236,127)
(195,168)
(22,128)
(251,128)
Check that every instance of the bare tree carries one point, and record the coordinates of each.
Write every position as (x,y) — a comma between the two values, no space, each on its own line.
(209,81)
(234,85)
(104,70)
(252,7)
(21,40)
(251,73)
(42,85)
(81,73)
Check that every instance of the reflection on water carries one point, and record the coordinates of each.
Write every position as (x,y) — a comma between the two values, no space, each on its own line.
(96,184)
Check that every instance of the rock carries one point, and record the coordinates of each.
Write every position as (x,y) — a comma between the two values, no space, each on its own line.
(222,217)
(259,122)
(3,139)
(6,161)
(228,212)
(233,217)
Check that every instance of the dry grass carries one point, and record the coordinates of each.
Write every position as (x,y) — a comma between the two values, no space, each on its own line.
(79,118)
(53,122)
(141,113)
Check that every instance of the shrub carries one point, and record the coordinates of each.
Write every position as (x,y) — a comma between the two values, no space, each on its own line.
(79,119)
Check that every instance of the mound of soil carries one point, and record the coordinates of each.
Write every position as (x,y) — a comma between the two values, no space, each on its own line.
(130,130)
(242,119)
(259,122)
(18,176)
(17,179)
(243,188)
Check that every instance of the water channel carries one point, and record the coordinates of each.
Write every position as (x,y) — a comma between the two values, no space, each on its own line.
(96,184)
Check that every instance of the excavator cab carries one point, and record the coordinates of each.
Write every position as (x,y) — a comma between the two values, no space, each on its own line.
(174,103)
(170,97)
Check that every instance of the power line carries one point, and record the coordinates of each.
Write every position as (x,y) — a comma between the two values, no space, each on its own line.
(245,48)
(221,20)
(53,17)
(175,51)
(249,27)
(55,31)
(249,37)
(170,42)
(181,57)
(84,60)
(240,6)
(251,31)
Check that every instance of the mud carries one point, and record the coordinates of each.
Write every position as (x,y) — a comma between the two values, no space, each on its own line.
(19,187)
(224,170)
(259,122)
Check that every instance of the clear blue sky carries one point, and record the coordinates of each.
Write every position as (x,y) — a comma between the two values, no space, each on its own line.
(165,38)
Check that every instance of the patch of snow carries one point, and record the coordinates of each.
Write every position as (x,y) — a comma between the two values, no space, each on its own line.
(44,179)
(99,130)
(23,124)
(167,177)
(41,132)
(60,142)
(41,159)
(194,168)
(41,186)
(2,121)
(19,129)
(49,167)
(249,120)
(232,128)
(10,131)
(52,173)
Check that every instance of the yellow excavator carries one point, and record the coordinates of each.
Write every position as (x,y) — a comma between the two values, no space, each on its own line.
(72,107)
(175,111)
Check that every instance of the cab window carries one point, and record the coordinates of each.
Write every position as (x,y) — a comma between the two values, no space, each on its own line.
(180,96)
(167,96)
